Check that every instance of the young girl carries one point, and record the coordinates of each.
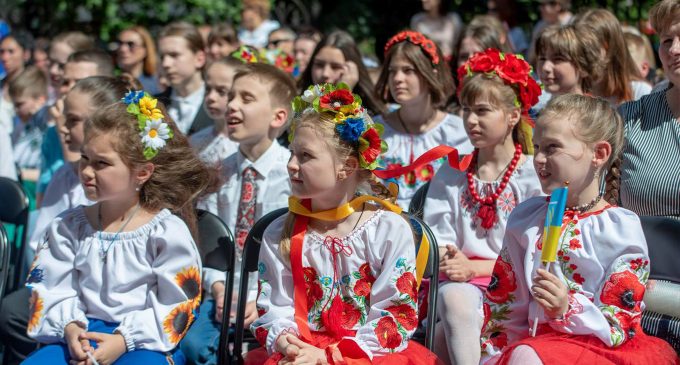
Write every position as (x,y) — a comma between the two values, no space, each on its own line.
(337,284)
(568,59)
(589,305)
(182,57)
(468,210)
(621,80)
(337,59)
(119,280)
(417,78)
(213,143)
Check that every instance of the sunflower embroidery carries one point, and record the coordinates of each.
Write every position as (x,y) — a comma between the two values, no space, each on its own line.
(190,281)
(37,306)
(176,324)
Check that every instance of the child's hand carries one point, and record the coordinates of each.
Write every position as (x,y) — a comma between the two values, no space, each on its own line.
(550,293)
(251,313)
(456,266)
(350,74)
(217,290)
(307,354)
(288,350)
(109,347)
(76,347)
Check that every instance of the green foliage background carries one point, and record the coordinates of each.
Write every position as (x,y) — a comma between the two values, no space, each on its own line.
(370,21)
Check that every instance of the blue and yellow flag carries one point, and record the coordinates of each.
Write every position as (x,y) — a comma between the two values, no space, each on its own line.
(553,224)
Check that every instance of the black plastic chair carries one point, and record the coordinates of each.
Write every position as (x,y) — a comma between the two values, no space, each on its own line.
(14,210)
(416,207)
(217,248)
(661,317)
(4,260)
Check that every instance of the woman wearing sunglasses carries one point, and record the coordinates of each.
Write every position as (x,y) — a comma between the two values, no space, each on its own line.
(137,56)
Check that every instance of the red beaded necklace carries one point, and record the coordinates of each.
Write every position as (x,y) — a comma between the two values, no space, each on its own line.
(487,209)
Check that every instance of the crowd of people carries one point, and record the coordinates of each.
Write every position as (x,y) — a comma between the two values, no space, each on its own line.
(118,150)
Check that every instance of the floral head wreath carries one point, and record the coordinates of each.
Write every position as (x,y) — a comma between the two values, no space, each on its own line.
(512,69)
(246,54)
(152,128)
(426,44)
(352,123)
(281,60)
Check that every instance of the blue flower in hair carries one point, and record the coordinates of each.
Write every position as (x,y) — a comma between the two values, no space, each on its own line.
(133,97)
(351,129)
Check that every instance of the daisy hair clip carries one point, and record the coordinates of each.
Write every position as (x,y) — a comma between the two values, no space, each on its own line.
(352,122)
(152,127)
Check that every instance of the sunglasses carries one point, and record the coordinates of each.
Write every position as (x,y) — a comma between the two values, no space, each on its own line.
(129,44)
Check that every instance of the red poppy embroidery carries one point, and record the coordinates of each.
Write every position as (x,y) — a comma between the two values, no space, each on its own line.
(578,279)
(502,282)
(387,333)
(362,287)
(405,315)
(261,334)
(638,263)
(350,315)
(407,284)
(499,339)
(629,324)
(623,290)
(365,272)
(574,244)
(410,179)
(314,290)
(577,231)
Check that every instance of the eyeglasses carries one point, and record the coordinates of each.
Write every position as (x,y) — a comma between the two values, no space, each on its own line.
(130,45)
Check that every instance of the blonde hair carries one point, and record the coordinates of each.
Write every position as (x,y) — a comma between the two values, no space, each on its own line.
(640,49)
(30,82)
(595,120)
(500,95)
(664,14)
(324,124)
(578,45)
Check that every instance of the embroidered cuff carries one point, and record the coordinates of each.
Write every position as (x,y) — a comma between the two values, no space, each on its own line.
(80,320)
(574,308)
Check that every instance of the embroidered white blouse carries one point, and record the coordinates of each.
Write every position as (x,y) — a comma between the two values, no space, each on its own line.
(64,192)
(451,212)
(148,281)
(403,149)
(375,280)
(602,258)
(212,146)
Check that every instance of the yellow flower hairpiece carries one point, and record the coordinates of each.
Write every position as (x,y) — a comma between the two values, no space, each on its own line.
(152,128)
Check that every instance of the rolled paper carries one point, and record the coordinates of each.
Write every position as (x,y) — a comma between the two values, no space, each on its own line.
(553,224)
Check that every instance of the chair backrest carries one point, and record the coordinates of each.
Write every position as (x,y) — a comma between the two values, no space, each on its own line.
(417,205)
(249,261)
(217,248)
(663,240)
(4,260)
(14,210)
(431,272)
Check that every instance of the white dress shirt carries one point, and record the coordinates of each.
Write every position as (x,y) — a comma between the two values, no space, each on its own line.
(183,110)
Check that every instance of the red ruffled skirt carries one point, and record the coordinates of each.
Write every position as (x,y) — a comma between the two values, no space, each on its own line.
(560,348)
(414,354)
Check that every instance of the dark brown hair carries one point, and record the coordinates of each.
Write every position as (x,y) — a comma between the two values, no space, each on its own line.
(222,31)
(364,88)
(179,177)
(437,78)
(103,91)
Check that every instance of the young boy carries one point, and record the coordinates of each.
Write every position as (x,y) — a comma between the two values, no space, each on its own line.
(28,92)
(256,182)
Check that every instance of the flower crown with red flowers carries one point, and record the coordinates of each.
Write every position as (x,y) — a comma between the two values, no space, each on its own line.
(352,123)
(426,44)
(512,69)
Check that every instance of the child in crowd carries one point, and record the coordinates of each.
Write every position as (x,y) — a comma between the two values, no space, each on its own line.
(621,81)
(589,305)
(568,61)
(337,59)
(282,39)
(28,92)
(305,43)
(213,144)
(641,51)
(119,280)
(183,56)
(417,78)
(468,210)
(255,183)
(337,274)
(222,41)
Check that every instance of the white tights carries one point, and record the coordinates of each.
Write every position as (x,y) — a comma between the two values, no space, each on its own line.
(459,308)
